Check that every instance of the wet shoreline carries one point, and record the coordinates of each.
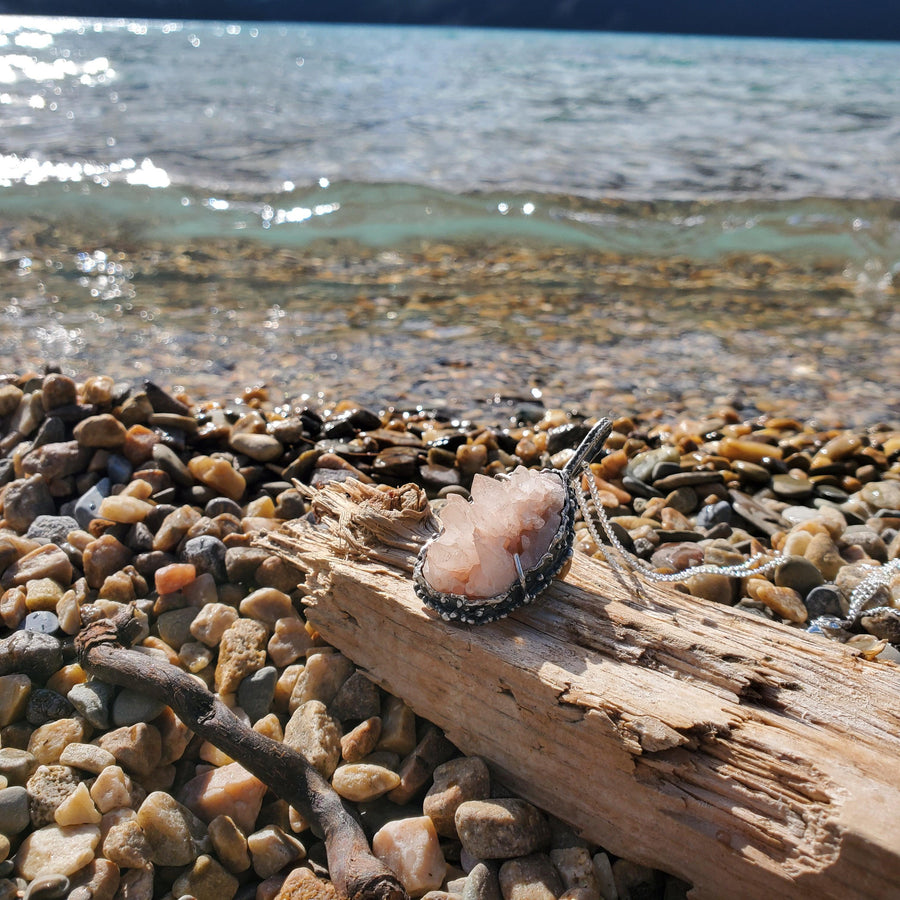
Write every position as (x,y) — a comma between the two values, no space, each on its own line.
(456,326)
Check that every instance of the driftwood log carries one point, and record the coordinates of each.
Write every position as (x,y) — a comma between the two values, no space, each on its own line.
(750,759)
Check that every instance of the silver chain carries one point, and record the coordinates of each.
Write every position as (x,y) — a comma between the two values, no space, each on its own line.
(626,564)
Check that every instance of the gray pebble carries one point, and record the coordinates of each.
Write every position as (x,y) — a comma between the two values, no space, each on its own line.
(169,461)
(798,573)
(501,828)
(714,514)
(824,600)
(131,707)
(52,528)
(119,469)
(207,553)
(256,692)
(42,621)
(17,766)
(26,499)
(219,505)
(45,706)
(93,700)
(87,506)
(14,815)
(482,884)
(50,886)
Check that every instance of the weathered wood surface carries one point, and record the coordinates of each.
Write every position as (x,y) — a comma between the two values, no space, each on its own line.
(750,759)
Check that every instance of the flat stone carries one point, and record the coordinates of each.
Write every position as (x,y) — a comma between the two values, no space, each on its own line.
(359,782)
(56,849)
(259,447)
(500,828)
(356,699)
(87,757)
(100,431)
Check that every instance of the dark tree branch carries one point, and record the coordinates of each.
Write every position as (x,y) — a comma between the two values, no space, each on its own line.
(354,871)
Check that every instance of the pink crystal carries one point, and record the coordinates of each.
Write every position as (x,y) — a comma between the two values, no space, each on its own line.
(474,554)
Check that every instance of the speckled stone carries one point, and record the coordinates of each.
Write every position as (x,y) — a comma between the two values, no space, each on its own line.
(242,651)
(531,877)
(207,554)
(454,783)
(173,832)
(315,734)
(501,828)
(47,788)
(24,500)
(206,880)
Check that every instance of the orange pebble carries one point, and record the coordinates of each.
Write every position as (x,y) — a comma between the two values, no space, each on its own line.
(174,577)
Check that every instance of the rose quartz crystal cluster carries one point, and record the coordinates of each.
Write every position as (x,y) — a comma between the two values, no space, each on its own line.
(474,554)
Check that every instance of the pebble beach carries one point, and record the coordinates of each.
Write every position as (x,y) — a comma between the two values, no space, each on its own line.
(410,256)
(118,494)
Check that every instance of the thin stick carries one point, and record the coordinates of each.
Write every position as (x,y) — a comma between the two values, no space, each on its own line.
(354,871)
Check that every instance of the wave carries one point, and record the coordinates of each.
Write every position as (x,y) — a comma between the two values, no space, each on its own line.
(804,232)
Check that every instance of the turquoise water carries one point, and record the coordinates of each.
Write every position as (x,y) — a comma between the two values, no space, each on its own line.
(682,216)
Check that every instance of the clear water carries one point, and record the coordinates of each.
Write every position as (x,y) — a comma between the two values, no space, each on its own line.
(756,178)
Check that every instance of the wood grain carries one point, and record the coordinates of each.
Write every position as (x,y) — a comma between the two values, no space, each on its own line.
(748,758)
